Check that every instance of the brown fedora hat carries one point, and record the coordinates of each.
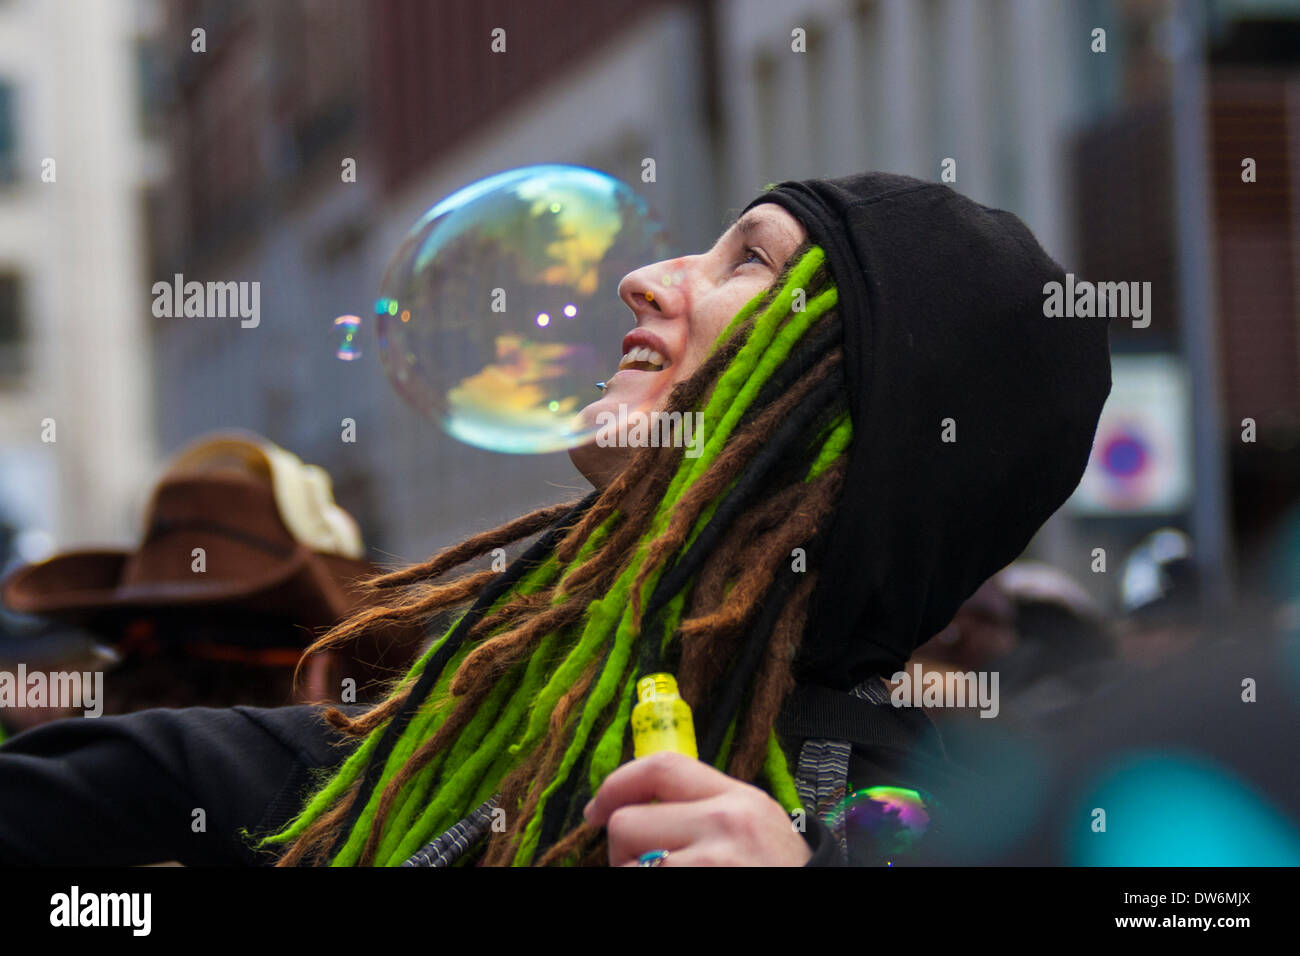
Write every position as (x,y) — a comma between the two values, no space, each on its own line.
(235,524)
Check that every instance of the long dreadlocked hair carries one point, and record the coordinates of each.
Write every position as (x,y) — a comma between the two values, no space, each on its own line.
(680,564)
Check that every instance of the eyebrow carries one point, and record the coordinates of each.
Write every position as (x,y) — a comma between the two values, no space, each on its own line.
(749,226)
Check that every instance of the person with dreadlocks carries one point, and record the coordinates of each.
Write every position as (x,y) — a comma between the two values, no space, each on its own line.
(888,417)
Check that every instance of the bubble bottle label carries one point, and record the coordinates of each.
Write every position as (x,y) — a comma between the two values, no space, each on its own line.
(662,720)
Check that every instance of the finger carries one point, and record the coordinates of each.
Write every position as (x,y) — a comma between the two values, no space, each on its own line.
(666,776)
(698,854)
(638,828)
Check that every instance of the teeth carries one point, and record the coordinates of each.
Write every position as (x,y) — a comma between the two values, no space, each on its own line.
(643,354)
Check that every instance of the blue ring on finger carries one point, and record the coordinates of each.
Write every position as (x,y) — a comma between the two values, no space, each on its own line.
(652,858)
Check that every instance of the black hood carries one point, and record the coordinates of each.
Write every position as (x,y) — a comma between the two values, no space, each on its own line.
(941,301)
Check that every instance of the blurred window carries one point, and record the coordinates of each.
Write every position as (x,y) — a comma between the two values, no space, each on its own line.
(433,85)
(8,134)
(12,344)
(318,80)
(765,96)
(869,81)
(819,92)
(151,86)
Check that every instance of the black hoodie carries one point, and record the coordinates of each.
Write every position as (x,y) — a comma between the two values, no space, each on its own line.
(941,301)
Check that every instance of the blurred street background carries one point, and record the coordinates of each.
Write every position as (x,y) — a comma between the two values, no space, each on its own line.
(127,157)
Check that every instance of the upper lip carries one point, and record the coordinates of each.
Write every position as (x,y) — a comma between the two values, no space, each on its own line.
(640,338)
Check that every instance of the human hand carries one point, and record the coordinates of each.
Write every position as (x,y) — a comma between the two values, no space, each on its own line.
(703,817)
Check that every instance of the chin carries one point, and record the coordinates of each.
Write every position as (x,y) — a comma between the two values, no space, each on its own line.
(598,465)
(586,418)
(637,392)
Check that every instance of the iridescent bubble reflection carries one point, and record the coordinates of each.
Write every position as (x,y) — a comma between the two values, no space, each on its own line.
(508,302)
(346,331)
(885,822)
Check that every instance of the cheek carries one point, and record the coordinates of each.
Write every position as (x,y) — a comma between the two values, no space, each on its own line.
(708,321)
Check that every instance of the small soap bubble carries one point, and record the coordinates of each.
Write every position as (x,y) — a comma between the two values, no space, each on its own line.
(887,821)
(481,283)
(347,330)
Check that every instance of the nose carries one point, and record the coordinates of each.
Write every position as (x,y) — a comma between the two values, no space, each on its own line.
(656,288)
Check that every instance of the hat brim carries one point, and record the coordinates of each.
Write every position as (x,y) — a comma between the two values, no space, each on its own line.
(72,580)
(308,588)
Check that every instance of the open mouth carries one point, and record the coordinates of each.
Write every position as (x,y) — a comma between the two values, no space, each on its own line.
(643,359)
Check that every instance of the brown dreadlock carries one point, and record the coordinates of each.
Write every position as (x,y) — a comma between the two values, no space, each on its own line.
(702,559)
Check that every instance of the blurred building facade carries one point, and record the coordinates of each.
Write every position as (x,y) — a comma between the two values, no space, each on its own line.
(76,153)
(1124,209)
(259,195)
(725,95)
(722,95)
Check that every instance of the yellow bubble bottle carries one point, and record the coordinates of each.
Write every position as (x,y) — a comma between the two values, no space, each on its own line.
(662,720)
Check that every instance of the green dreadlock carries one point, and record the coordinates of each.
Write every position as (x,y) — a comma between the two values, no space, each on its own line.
(763,354)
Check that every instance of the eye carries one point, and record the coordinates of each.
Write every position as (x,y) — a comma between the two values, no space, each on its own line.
(749,253)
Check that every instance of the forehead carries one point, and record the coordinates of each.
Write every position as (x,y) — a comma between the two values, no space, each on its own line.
(767,221)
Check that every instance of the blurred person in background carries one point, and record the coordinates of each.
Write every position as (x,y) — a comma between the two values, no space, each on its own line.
(1047,639)
(1065,648)
(37,645)
(1191,763)
(1184,741)
(982,631)
(245,558)
(1160,600)
(1282,575)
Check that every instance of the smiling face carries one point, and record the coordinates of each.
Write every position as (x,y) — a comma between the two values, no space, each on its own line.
(680,307)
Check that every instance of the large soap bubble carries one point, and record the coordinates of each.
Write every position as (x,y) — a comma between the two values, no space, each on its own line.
(500,312)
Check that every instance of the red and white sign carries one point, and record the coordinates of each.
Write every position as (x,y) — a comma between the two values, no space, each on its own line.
(1141,456)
